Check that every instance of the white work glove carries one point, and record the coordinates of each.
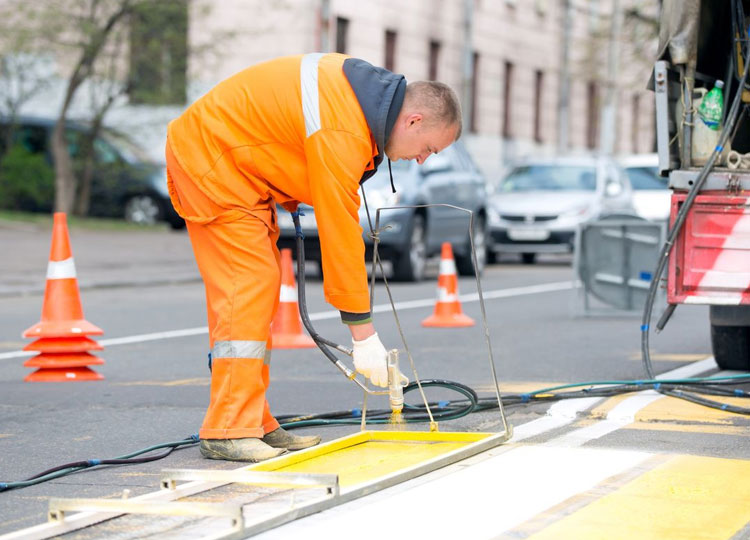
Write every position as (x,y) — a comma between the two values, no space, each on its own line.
(371,359)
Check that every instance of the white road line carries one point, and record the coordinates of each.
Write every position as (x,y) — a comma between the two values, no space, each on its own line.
(331,314)
(624,413)
(479,501)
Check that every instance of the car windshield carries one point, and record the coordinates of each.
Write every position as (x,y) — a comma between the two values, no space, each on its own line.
(549,177)
(129,151)
(645,178)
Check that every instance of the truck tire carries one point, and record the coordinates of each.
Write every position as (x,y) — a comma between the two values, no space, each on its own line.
(731,347)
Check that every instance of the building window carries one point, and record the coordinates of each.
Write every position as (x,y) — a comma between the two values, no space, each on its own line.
(390,50)
(342,31)
(432,71)
(538,88)
(507,100)
(158,52)
(634,129)
(592,115)
(473,119)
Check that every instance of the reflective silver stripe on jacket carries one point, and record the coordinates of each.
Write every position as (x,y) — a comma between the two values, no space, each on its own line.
(239,349)
(310,98)
(267,357)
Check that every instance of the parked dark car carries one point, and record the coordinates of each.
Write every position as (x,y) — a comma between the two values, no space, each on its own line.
(125,184)
(410,236)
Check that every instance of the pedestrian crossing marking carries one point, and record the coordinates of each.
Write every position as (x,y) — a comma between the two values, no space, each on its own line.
(687,497)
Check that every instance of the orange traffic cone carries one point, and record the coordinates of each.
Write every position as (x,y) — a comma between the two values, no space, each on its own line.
(286,329)
(447,308)
(62,330)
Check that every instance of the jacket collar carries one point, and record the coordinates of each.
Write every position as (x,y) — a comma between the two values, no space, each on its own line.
(380,94)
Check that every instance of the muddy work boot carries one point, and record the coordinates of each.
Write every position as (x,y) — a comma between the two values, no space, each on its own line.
(279,438)
(249,449)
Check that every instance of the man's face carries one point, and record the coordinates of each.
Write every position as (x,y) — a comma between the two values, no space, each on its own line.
(412,139)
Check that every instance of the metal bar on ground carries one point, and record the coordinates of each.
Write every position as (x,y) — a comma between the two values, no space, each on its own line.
(59,506)
(170,477)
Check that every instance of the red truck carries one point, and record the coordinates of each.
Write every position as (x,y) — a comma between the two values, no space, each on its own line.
(701,42)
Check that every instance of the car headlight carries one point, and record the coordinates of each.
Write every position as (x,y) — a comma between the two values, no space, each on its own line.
(579,213)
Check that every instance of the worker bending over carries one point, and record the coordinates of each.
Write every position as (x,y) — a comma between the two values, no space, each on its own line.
(308,129)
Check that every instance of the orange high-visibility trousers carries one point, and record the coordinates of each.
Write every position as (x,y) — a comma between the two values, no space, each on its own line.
(240,264)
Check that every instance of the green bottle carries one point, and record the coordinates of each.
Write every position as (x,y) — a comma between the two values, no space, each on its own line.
(711,108)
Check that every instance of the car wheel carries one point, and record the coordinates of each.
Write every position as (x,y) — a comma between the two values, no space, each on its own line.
(528,258)
(143,210)
(731,346)
(465,263)
(409,264)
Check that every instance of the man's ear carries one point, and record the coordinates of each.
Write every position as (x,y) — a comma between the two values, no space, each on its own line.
(414,119)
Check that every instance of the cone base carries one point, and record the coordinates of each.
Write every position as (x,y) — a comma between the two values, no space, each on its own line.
(457,320)
(64,375)
(292,341)
(71,328)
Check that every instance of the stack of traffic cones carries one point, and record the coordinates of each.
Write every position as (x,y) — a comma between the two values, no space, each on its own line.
(62,343)
(286,329)
(448,311)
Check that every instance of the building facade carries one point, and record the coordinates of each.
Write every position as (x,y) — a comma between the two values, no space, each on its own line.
(534,76)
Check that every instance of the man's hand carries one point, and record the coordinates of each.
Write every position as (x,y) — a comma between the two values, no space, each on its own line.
(370,359)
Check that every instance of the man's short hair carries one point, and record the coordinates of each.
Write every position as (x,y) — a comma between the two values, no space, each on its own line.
(439,100)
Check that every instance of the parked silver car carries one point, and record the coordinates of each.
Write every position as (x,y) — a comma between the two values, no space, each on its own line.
(412,235)
(538,205)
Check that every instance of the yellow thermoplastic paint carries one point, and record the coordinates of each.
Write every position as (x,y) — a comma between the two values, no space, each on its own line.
(370,455)
(694,497)
(669,408)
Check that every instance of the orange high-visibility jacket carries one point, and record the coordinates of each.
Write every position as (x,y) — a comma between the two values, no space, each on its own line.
(307,129)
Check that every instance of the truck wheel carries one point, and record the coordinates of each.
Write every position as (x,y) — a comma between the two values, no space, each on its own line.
(731,347)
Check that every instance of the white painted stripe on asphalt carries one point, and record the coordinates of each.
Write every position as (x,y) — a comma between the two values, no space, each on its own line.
(485,499)
(558,415)
(65,269)
(322,315)
(624,413)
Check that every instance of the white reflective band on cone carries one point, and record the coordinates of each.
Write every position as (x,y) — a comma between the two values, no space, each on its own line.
(444,296)
(308,73)
(287,294)
(447,267)
(61,269)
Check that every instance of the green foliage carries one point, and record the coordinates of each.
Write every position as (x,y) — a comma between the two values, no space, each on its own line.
(26,181)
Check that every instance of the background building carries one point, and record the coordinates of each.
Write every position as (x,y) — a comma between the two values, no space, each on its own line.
(535,76)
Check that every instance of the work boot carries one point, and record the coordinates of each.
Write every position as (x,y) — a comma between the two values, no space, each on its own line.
(279,438)
(248,449)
